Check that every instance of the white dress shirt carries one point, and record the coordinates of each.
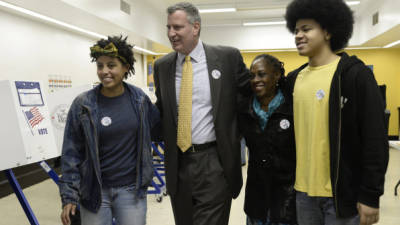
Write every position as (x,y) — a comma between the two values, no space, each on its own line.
(202,118)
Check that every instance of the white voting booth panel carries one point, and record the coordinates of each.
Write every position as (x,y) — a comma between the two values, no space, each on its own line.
(26,134)
(59,103)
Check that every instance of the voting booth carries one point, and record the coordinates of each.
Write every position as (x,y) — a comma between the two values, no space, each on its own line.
(33,129)
(59,103)
(27,134)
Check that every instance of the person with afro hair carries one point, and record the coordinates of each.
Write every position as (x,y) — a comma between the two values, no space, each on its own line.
(106,161)
(340,133)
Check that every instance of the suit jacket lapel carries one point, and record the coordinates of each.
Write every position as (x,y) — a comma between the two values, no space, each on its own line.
(213,64)
(171,88)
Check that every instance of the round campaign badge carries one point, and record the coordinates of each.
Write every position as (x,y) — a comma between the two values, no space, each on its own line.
(320,94)
(216,74)
(285,124)
(106,121)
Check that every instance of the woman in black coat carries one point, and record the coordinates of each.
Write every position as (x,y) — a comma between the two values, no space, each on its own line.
(266,122)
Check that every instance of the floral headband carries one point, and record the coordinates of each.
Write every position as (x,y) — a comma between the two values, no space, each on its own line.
(108,50)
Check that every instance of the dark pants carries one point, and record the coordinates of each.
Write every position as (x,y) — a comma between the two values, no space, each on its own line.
(319,211)
(203,196)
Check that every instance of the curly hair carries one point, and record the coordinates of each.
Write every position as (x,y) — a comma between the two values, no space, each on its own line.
(332,15)
(124,50)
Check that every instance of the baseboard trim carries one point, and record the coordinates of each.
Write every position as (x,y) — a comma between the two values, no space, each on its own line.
(393,137)
(27,176)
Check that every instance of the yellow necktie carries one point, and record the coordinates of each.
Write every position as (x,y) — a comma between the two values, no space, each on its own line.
(185,107)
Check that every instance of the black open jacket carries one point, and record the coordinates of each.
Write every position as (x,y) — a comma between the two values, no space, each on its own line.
(357,135)
(272,163)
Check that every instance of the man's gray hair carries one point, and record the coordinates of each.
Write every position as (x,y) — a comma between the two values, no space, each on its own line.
(192,12)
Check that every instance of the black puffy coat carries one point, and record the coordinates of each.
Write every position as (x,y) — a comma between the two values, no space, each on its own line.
(272,163)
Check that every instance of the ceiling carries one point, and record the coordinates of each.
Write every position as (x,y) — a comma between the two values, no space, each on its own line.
(247,10)
(385,38)
(264,10)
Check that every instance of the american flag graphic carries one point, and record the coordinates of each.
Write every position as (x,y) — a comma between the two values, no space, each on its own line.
(34,117)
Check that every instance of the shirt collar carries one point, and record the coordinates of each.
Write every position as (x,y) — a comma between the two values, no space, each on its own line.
(196,54)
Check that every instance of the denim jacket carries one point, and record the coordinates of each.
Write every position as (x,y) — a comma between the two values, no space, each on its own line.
(80,165)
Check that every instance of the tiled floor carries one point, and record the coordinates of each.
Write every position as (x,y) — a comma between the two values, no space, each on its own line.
(45,202)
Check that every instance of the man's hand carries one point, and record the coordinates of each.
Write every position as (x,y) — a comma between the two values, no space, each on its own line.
(368,215)
(67,210)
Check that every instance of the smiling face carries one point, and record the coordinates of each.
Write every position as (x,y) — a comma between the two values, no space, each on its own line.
(310,38)
(263,78)
(111,73)
(182,35)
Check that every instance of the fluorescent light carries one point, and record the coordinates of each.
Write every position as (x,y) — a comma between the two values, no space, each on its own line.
(294,50)
(217,10)
(51,20)
(144,50)
(62,24)
(264,23)
(392,44)
(352,2)
(221,25)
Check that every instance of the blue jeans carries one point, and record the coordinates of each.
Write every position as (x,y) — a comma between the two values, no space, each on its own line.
(120,203)
(319,211)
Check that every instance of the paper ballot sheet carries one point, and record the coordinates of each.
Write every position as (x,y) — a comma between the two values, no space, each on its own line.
(29,93)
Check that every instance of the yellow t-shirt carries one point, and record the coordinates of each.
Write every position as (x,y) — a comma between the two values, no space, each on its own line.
(311,126)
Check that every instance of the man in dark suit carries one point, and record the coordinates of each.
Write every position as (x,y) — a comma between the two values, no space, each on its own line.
(196,89)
